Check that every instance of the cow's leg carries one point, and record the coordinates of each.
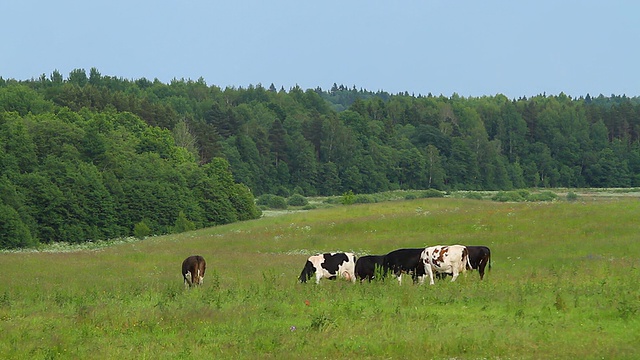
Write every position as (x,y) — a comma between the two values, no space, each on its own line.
(187,279)
(481,266)
(455,275)
(318,277)
(429,271)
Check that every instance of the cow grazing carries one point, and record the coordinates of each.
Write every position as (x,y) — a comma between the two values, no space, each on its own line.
(193,269)
(452,260)
(405,261)
(366,266)
(330,266)
(479,257)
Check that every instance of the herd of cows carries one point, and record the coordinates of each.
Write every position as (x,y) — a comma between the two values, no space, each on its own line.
(438,260)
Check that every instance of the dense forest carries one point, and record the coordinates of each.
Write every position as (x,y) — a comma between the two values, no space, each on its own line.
(91,157)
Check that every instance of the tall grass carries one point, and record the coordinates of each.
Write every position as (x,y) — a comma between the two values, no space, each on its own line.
(563,284)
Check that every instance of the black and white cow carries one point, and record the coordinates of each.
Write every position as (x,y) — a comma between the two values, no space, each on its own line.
(330,266)
(405,261)
(193,269)
(453,259)
(479,257)
(366,267)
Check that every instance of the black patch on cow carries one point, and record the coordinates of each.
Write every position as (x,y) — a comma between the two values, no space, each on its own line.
(333,261)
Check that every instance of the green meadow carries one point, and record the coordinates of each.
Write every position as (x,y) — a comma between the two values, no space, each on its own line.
(564,283)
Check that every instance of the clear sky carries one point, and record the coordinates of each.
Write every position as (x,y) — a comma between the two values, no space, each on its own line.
(472,48)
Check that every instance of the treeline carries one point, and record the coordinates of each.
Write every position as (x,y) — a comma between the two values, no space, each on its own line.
(124,134)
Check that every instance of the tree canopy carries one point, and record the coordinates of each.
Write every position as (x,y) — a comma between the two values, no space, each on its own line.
(90,156)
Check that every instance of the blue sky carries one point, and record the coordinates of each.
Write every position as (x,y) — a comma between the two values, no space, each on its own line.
(472,48)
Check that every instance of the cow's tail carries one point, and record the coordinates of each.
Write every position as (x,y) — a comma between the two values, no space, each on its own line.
(489,261)
(465,254)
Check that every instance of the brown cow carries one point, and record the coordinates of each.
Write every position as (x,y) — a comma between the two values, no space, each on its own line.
(193,269)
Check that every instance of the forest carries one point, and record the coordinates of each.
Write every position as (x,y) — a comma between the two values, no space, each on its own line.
(91,157)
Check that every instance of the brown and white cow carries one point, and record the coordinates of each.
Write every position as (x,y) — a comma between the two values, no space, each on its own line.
(193,269)
(330,266)
(453,259)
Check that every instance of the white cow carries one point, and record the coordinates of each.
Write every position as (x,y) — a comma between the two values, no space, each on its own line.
(452,259)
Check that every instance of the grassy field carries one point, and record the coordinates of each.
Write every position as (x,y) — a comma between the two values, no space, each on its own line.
(565,283)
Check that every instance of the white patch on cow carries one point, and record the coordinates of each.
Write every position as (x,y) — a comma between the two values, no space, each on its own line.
(187,279)
(445,259)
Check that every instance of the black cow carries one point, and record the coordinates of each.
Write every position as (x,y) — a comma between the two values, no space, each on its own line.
(330,266)
(405,261)
(479,257)
(193,269)
(366,266)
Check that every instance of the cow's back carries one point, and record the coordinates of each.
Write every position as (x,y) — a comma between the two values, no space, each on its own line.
(193,269)
(403,259)
(479,258)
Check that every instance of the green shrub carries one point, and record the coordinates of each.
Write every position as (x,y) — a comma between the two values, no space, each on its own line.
(509,196)
(410,197)
(183,224)
(348,198)
(571,196)
(297,200)
(473,195)
(141,230)
(277,202)
(271,201)
(264,199)
(432,193)
(364,199)
(543,196)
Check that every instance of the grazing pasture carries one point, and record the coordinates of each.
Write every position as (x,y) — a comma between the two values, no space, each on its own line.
(564,283)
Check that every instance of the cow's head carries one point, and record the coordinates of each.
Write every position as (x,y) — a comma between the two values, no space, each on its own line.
(307,272)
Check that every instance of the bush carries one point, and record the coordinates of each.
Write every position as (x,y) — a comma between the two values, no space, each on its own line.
(543,196)
(297,200)
(473,195)
(571,196)
(348,198)
(183,224)
(364,199)
(410,197)
(141,230)
(263,199)
(511,196)
(432,193)
(271,201)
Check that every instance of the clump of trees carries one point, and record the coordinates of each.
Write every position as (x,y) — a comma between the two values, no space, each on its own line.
(95,174)
(89,156)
